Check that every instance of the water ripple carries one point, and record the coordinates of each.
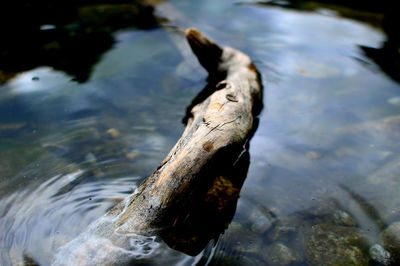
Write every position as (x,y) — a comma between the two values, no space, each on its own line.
(40,221)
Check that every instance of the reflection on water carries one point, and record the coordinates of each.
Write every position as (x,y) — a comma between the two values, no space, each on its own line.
(324,169)
(66,35)
(381,16)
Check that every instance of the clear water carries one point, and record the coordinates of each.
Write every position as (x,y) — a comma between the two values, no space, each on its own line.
(326,153)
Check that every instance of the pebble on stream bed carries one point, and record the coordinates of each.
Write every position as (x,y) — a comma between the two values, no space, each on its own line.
(379,255)
(113,132)
(336,245)
(391,241)
(278,254)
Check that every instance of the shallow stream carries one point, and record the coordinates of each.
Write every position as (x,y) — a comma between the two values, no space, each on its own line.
(324,176)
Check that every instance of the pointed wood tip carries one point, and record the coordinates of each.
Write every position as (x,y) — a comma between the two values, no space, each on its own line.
(208,53)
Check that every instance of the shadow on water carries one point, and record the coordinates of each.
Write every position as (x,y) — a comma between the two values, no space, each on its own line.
(69,36)
(368,208)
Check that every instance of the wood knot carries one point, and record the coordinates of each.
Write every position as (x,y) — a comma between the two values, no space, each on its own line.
(208,146)
(231,98)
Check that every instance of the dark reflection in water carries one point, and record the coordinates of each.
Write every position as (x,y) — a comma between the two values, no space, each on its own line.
(388,56)
(66,35)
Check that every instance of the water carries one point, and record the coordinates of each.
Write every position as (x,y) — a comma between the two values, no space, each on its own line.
(325,160)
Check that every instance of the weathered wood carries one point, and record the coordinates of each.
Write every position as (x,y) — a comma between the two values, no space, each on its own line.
(224,119)
(218,126)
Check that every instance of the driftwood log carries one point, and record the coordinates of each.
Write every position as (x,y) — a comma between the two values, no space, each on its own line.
(192,195)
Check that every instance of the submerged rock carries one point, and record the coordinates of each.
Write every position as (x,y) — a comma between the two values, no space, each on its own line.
(283,232)
(379,254)
(279,254)
(328,244)
(242,239)
(343,218)
(260,221)
(114,133)
(90,158)
(132,154)
(391,241)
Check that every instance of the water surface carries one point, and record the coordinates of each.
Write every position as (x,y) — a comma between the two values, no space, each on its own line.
(325,159)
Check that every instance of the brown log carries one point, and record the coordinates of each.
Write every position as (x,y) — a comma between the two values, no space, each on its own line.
(201,168)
